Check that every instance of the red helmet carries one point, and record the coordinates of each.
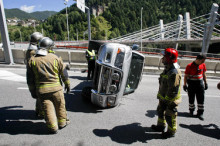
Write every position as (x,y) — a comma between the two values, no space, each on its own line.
(171,55)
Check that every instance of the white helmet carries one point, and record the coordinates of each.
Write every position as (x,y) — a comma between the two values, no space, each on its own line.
(45,44)
(35,37)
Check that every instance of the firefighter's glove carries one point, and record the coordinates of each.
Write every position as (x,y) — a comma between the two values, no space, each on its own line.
(206,86)
(185,88)
(67,89)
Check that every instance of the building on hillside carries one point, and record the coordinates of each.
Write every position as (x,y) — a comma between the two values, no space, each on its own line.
(98,10)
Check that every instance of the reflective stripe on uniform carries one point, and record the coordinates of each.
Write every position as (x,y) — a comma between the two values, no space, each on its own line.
(61,120)
(191,106)
(164,76)
(196,77)
(67,82)
(173,126)
(35,72)
(48,85)
(51,125)
(161,121)
(200,106)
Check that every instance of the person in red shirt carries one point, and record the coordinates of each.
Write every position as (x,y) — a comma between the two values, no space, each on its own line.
(195,84)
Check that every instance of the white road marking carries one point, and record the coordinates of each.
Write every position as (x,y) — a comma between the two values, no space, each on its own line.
(22,88)
(6,75)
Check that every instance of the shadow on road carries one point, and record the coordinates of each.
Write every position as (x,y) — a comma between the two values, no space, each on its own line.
(75,103)
(210,130)
(13,121)
(128,134)
(78,77)
(151,113)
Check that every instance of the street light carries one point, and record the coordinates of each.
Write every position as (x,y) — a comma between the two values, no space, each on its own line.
(20,35)
(141,27)
(66,1)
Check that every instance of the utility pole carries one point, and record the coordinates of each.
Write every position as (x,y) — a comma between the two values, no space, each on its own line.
(67,23)
(141,27)
(89,25)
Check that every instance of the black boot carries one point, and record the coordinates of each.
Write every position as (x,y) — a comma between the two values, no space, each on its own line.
(191,113)
(200,115)
(168,134)
(158,128)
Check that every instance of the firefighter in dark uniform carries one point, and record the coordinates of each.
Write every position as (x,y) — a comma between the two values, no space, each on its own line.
(195,83)
(90,56)
(45,72)
(31,51)
(169,94)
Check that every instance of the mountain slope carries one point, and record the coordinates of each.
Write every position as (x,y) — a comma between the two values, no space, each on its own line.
(39,15)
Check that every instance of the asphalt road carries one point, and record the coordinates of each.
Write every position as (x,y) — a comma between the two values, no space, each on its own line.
(127,124)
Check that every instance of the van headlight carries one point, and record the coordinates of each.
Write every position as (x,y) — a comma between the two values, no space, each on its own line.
(115,76)
(113,88)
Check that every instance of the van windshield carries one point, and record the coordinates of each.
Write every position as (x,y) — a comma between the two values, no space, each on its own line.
(135,72)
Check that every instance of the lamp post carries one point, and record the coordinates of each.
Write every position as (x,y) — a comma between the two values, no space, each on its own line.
(77,35)
(66,1)
(20,35)
(141,27)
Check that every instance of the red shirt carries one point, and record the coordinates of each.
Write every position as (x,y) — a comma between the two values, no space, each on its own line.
(195,71)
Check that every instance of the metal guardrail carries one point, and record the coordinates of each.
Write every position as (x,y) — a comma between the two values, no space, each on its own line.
(189,54)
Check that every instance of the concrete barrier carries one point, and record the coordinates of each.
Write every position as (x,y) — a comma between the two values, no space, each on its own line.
(2,57)
(78,57)
(184,62)
(64,54)
(152,60)
(18,55)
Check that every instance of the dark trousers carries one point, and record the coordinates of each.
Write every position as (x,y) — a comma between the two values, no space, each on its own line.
(91,68)
(196,90)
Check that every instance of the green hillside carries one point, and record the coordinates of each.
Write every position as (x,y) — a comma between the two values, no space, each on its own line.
(41,15)
(12,13)
(120,17)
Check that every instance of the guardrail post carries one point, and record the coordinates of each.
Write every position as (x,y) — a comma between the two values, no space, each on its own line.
(180,21)
(187,21)
(161,29)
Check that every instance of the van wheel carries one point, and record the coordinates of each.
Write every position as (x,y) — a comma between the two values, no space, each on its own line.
(86,94)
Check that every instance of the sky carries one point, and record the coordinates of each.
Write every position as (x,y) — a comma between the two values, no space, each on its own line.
(37,5)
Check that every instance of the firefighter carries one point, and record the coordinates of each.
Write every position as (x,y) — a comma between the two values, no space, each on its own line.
(195,83)
(169,94)
(90,56)
(44,75)
(31,51)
